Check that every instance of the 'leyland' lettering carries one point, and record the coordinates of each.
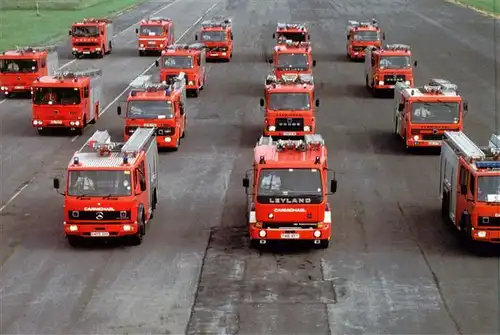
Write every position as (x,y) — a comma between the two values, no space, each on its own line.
(290,200)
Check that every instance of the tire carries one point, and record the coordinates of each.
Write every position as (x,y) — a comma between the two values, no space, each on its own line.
(177,144)
(153,206)
(138,237)
(254,244)
(74,241)
(141,53)
(323,244)
(110,48)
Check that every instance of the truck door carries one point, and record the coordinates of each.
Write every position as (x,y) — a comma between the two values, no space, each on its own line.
(461,199)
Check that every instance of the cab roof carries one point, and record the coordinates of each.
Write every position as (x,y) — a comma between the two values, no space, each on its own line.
(282,27)
(28,52)
(436,89)
(68,78)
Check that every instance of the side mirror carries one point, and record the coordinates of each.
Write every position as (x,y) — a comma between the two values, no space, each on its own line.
(119,110)
(317,102)
(415,63)
(383,36)
(347,36)
(157,63)
(314,63)
(69,33)
(401,107)
(55,182)
(333,186)
(181,107)
(143,185)
(246,182)
(270,60)
(196,37)
(261,102)
(274,35)
(466,106)
(308,36)
(463,189)
(136,31)
(232,36)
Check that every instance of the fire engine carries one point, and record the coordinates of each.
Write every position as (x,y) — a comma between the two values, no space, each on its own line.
(470,187)
(360,35)
(68,99)
(155,34)
(20,67)
(217,35)
(296,32)
(189,59)
(292,57)
(161,106)
(384,67)
(112,188)
(289,106)
(423,114)
(92,37)
(289,198)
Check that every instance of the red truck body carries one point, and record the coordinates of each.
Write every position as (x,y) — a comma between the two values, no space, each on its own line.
(92,37)
(361,35)
(217,35)
(154,35)
(292,58)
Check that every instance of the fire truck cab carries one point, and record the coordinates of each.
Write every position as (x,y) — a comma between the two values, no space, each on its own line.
(68,99)
(469,187)
(111,188)
(217,35)
(289,106)
(159,106)
(19,68)
(92,37)
(189,59)
(423,114)
(384,67)
(154,35)
(288,199)
(361,35)
(295,32)
(292,57)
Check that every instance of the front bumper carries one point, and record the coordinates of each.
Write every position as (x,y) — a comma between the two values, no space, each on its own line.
(218,55)
(357,54)
(162,141)
(286,133)
(41,123)
(484,235)
(115,229)
(9,89)
(423,143)
(289,233)
(94,51)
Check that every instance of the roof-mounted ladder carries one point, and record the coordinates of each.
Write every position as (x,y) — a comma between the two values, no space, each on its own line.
(137,141)
(463,145)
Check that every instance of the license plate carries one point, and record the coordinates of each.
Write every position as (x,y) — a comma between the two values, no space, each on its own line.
(289,134)
(56,122)
(290,236)
(86,52)
(19,87)
(151,43)
(215,55)
(99,234)
(434,142)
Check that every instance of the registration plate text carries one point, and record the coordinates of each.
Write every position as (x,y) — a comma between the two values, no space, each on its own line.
(99,234)
(286,133)
(290,236)
(56,122)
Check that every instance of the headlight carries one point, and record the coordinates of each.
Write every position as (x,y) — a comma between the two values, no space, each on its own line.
(317,233)
(262,233)
(307,128)
(167,139)
(74,49)
(127,227)
(141,45)
(381,82)
(190,82)
(416,137)
(73,227)
(407,82)
(481,234)
(97,49)
(223,54)
(77,123)
(161,45)
(272,128)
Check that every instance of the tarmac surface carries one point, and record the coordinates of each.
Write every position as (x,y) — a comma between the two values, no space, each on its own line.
(392,267)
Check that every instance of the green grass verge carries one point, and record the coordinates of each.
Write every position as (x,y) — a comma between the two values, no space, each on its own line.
(48,4)
(24,27)
(490,6)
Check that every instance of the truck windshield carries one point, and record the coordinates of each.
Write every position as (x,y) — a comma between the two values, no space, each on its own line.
(94,183)
(213,36)
(85,31)
(150,109)
(293,61)
(151,30)
(289,101)
(366,36)
(296,37)
(178,62)
(18,66)
(435,112)
(290,184)
(488,188)
(395,62)
(56,96)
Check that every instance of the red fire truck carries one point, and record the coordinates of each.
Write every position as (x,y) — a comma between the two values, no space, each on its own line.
(154,35)
(160,106)
(292,57)
(112,188)
(217,35)
(296,32)
(189,59)
(20,67)
(360,35)
(69,99)
(92,37)
(423,114)
(289,106)
(289,196)
(470,187)
(385,67)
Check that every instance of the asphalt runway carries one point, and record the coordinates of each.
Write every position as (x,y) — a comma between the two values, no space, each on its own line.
(392,267)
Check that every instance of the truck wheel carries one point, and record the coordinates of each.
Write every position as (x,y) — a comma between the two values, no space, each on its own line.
(74,241)
(137,238)
(445,206)
(41,132)
(110,48)
(366,82)
(374,90)
(254,244)
(153,206)
(196,92)
(141,53)
(323,244)
(101,53)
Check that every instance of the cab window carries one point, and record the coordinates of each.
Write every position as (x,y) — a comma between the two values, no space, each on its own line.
(472,184)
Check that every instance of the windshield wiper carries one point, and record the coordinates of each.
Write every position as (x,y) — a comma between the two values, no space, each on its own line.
(111,196)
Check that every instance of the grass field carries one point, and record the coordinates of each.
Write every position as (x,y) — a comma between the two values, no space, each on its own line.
(24,27)
(490,6)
